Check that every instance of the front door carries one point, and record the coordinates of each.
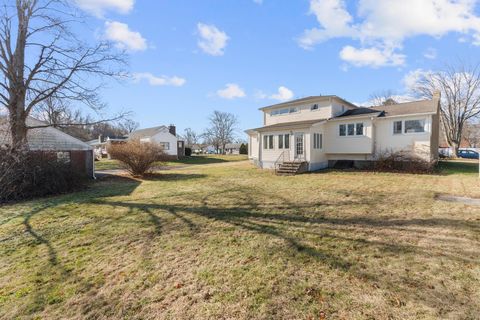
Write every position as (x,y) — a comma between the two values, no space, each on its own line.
(299,146)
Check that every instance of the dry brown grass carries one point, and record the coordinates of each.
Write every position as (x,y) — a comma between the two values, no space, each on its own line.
(233,242)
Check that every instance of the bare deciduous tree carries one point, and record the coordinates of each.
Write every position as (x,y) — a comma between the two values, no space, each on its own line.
(459,86)
(222,129)
(191,137)
(382,98)
(472,134)
(41,58)
(129,125)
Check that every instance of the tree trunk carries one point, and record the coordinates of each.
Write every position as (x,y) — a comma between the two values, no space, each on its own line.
(18,128)
(455,147)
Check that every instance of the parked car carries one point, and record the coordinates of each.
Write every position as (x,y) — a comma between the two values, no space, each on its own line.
(468,154)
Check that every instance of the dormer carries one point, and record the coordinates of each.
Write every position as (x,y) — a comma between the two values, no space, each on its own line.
(310,108)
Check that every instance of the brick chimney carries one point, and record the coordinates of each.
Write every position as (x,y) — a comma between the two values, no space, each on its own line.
(172,130)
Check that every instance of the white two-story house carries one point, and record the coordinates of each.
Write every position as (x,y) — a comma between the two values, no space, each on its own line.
(318,131)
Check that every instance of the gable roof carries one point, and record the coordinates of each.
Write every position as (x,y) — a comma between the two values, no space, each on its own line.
(47,138)
(308,99)
(400,109)
(147,132)
(407,108)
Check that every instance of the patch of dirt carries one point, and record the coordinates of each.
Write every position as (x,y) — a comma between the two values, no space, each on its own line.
(464,200)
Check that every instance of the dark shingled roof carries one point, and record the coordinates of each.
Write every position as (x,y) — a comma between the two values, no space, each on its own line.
(285,125)
(358,112)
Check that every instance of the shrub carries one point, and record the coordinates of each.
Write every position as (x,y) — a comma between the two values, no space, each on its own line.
(136,156)
(403,161)
(244,148)
(25,174)
(188,152)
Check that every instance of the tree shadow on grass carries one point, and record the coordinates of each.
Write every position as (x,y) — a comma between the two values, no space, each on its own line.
(296,224)
(164,176)
(54,270)
(457,167)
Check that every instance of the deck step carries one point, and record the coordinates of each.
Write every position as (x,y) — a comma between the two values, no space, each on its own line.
(290,168)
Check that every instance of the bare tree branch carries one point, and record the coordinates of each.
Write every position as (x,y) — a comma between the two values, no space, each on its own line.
(460,89)
(42,59)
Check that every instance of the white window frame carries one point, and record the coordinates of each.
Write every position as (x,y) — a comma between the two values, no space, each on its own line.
(290,110)
(284,138)
(410,133)
(354,130)
(401,127)
(318,141)
(403,133)
(266,142)
(314,107)
(165,145)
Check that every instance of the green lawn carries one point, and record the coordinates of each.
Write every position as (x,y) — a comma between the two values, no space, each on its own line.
(105,164)
(234,242)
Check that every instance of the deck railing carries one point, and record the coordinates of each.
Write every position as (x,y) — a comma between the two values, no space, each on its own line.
(283,157)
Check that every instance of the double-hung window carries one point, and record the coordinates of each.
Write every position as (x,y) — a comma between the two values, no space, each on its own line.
(284,141)
(351,129)
(359,129)
(397,127)
(343,130)
(317,141)
(268,142)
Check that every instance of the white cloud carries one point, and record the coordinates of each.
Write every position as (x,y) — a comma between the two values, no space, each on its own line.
(388,23)
(430,53)
(159,81)
(333,17)
(98,7)
(411,79)
(371,57)
(231,91)
(283,94)
(258,1)
(123,37)
(212,40)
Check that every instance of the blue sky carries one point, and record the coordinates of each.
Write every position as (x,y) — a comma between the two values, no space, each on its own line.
(188,58)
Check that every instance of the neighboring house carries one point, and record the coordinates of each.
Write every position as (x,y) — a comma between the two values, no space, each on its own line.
(232,148)
(318,131)
(51,140)
(163,135)
(100,145)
